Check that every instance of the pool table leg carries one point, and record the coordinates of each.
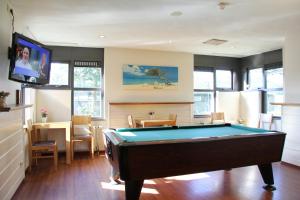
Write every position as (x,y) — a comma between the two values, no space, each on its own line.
(266,172)
(133,189)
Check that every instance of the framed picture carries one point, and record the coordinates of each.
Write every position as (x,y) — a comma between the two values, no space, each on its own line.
(149,77)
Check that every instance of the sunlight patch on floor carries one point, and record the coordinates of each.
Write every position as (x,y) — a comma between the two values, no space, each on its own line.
(251,178)
(168,181)
(251,174)
(150,182)
(121,187)
(188,177)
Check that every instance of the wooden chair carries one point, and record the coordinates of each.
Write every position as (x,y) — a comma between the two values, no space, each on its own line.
(265,120)
(38,148)
(82,131)
(217,117)
(173,117)
(131,122)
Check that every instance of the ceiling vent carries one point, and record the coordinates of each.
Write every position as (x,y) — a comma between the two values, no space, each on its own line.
(215,42)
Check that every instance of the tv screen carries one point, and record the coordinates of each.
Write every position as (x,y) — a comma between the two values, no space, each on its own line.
(30,61)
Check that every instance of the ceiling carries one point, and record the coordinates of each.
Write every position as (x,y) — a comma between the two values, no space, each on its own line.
(250,26)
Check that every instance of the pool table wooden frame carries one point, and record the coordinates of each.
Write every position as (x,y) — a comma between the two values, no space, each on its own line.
(136,161)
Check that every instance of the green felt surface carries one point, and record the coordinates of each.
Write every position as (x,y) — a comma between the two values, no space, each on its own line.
(188,132)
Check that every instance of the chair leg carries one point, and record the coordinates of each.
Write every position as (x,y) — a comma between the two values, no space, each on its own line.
(72,150)
(92,147)
(55,157)
(30,160)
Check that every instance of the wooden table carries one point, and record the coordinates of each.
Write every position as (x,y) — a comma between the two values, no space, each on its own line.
(154,122)
(58,125)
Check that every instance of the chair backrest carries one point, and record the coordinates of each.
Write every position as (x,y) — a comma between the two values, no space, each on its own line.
(35,134)
(81,120)
(173,117)
(265,120)
(29,133)
(131,121)
(217,117)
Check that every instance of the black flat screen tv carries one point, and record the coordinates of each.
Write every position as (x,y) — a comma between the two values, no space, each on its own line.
(30,61)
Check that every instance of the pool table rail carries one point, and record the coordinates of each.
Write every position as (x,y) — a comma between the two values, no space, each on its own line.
(117,140)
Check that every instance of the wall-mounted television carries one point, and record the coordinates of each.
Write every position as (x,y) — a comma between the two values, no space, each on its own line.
(30,61)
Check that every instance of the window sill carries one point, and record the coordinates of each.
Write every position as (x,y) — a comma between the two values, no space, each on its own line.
(48,87)
(98,119)
(202,116)
(277,117)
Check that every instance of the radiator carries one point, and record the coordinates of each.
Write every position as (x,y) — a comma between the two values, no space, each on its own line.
(99,142)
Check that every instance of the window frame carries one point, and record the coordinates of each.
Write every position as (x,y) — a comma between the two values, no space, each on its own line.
(215,89)
(220,88)
(248,79)
(264,89)
(70,85)
(101,89)
(56,87)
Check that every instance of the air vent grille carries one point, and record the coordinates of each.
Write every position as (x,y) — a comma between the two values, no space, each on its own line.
(215,42)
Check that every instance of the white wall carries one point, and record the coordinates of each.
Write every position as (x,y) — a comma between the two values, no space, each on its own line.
(30,99)
(291,115)
(58,104)
(115,58)
(5,42)
(228,102)
(250,107)
(291,61)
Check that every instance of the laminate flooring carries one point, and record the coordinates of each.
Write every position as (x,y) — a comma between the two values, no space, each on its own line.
(88,179)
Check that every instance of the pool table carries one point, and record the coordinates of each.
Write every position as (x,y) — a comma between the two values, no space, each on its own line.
(146,153)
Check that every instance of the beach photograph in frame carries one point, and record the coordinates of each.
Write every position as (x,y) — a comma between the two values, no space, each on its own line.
(149,77)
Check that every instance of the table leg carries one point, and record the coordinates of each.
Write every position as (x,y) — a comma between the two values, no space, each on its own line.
(266,172)
(133,189)
(68,146)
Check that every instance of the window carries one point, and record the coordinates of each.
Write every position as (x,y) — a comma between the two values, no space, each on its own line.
(203,92)
(256,79)
(28,99)
(203,80)
(87,89)
(224,79)
(274,78)
(59,74)
(270,80)
(204,103)
(87,77)
(207,81)
(87,103)
(274,90)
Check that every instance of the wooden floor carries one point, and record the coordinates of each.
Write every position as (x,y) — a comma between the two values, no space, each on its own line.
(88,179)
